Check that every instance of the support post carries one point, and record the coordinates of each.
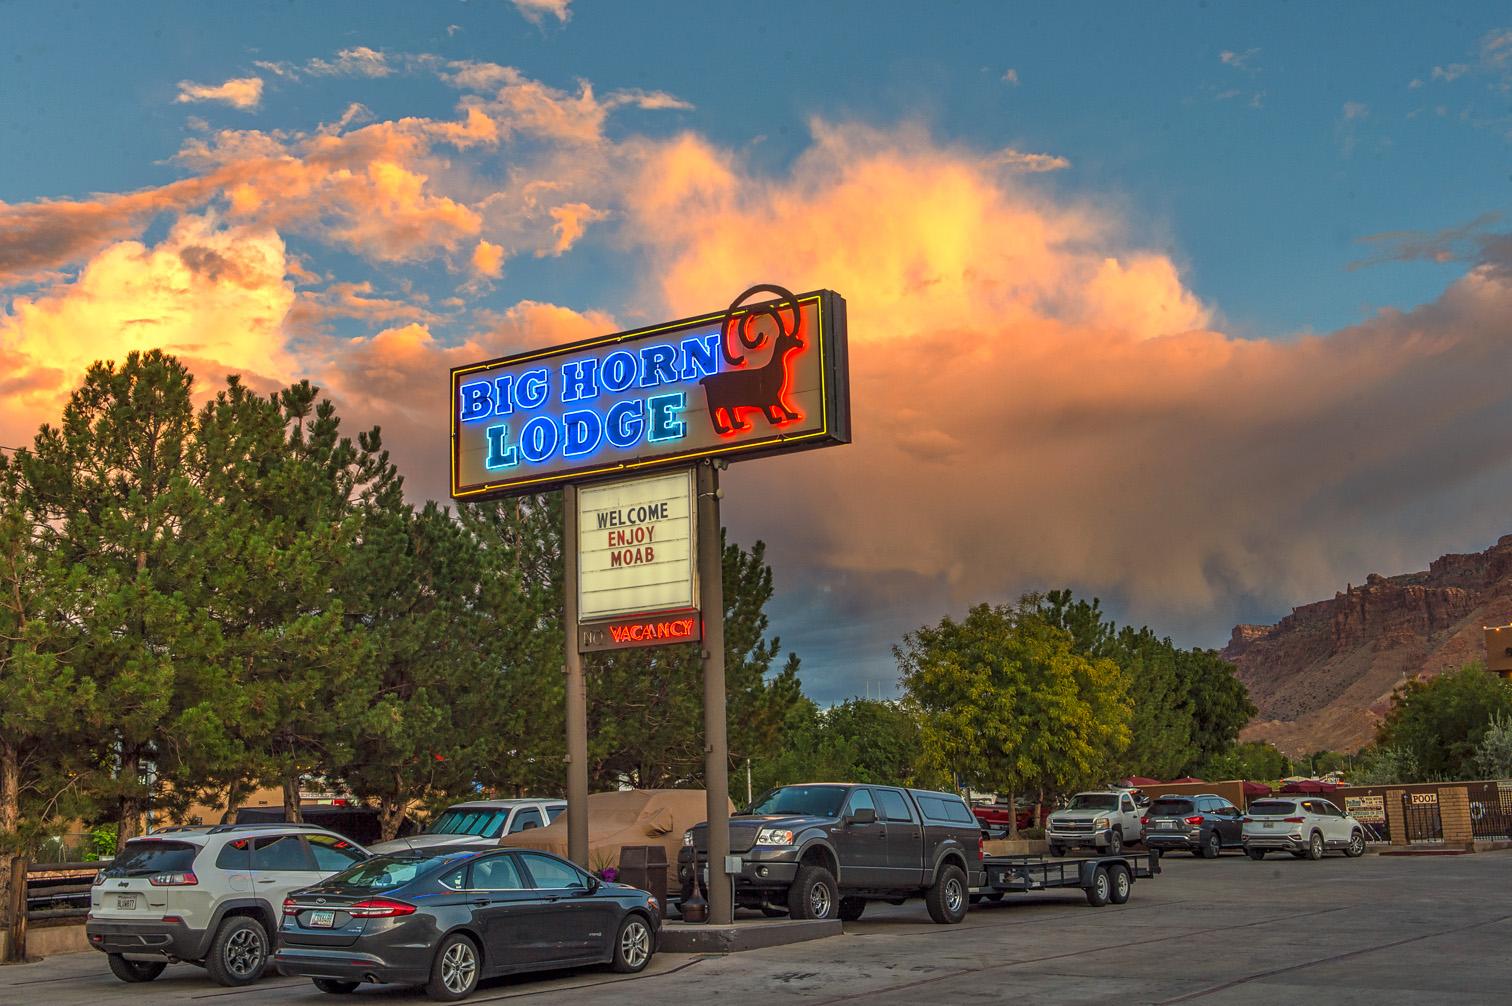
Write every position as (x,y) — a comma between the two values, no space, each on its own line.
(716,743)
(17,911)
(577,696)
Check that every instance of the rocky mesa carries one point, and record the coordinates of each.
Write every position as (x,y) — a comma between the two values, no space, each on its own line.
(1323,675)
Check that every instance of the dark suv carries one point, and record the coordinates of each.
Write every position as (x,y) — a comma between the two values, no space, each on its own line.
(823,850)
(1204,824)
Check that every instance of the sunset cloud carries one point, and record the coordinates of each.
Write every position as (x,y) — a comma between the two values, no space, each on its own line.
(239,92)
(536,11)
(488,259)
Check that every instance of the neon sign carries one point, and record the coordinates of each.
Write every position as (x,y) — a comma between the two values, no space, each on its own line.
(758,378)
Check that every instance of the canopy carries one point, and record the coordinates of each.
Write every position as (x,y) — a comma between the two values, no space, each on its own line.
(629,817)
(1314,787)
(1254,789)
(1140,781)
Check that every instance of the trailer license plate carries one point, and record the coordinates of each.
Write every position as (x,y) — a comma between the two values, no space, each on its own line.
(125,903)
(322,920)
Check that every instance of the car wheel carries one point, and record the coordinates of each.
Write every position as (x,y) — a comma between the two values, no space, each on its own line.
(947,898)
(1115,842)
(1356,845)
(454,972)
(239,952)
(1315,846)
(1100,890)
(1212,847)
(1256,854)
(135,971)
(335,987)
(851,909)
(1120,882)
(633,946)
(813,894)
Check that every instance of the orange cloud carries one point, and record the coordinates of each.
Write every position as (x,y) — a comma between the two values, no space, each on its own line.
(536,11)
(572,219)
(239,92)
(488,259)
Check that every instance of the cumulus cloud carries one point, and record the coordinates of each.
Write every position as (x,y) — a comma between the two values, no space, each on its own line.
(358,61)
(488,259)
(536,11)
(239,92)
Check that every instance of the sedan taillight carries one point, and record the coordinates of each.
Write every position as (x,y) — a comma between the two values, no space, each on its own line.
(289,907)
(185,879)
(380,908)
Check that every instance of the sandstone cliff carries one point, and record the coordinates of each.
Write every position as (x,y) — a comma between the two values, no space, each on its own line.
(1322,676)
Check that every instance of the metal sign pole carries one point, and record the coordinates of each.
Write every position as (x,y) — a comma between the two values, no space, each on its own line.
(577,697)
(716,744)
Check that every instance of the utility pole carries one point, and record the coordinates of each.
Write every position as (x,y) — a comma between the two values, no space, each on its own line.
(577,696)
(716,742)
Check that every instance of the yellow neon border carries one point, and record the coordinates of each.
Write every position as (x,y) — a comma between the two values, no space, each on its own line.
(816,299)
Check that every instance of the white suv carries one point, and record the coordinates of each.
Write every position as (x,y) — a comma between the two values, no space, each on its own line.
(210,895)
(1304,826)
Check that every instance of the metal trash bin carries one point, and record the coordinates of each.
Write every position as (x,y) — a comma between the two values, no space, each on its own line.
(645,866)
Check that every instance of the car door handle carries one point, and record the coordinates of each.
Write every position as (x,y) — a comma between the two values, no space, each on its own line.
(267,881)
(482,901)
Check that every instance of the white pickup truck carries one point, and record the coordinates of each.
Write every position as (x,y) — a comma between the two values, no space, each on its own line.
(1101,820)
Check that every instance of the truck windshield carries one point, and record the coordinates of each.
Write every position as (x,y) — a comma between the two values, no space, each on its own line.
(1094,801)
(810,801)
(384,872)
(479,821)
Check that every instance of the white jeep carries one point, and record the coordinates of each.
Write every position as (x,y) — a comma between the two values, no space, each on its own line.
(207,895)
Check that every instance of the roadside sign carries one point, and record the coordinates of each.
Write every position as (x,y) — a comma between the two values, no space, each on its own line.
(637,551)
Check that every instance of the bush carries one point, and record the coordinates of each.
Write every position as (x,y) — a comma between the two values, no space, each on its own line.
(101,843)
(1033,834)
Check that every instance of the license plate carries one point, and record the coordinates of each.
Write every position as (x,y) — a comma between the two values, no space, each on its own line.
(1270,824)
(125,904)
(322,920)
(1167,825)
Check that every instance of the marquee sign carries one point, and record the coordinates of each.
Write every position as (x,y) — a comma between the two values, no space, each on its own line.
(636,551)
(764,377)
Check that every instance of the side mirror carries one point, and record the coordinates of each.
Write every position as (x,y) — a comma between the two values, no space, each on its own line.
(864,815)
(594,883)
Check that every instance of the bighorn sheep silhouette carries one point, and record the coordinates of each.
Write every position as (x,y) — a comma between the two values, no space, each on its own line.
(734,391)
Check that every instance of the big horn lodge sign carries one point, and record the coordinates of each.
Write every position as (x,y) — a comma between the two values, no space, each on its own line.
(767,375)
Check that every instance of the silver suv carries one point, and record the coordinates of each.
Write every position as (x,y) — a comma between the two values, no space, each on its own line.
(478,822)
(1304,826)
(208,895)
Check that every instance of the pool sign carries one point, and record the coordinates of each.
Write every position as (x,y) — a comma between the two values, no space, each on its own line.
(768,375)
(637,552)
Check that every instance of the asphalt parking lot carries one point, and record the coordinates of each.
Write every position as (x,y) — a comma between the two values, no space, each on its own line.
(1370,931)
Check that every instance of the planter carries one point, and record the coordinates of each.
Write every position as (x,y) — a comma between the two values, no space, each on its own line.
(1015,847)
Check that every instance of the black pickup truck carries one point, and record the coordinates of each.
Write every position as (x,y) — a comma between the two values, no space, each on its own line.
(821,850)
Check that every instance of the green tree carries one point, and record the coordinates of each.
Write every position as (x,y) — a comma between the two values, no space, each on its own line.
(1256,760)
(861,740)
(1008,703)
(1493,756)
(1441,722)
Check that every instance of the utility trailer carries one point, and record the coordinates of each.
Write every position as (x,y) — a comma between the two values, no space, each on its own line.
(1104,879)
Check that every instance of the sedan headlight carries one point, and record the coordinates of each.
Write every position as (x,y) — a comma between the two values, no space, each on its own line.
(1102,823)
(688,837)
(774,836)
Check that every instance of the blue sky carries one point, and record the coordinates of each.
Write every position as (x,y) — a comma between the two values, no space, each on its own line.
(1253,149)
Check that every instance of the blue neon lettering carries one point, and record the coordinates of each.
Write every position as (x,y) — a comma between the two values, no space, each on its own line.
(538,439)
(584,431)
(477,400)
(531,389)
(624,423)
(663,411)
(619,371)
(658,366)
(500,454)
(504,395)
(700,357)
(579,380)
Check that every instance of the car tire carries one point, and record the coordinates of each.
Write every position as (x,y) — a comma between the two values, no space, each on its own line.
(1315,846)
(1356,847)
(1255,854)
(135,971)
(1115,842)
(634,945)
(239,953)
(851,909)
(455,970)
(1101,888)
(814,894)
(947,899)
(1121,884)
(1212,846)
(335,986)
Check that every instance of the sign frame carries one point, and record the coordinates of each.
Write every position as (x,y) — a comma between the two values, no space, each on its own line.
(835,427)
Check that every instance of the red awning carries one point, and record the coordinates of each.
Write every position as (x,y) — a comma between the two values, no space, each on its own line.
(1141,781)
(1254,789)
(1313,787)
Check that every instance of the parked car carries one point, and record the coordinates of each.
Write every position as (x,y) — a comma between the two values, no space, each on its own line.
(994,817)
(446,919)
(1203,824)
(822,850)
(1305,827)
(476,822)
(208,895)
(1102,820)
